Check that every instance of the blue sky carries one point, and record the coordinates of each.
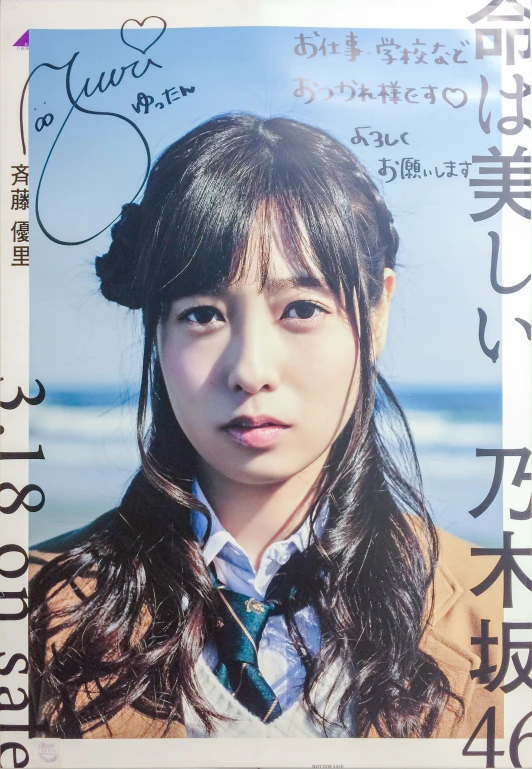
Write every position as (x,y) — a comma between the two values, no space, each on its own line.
(99,161)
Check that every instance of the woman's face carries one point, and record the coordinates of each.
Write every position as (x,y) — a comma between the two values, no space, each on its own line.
(261,381)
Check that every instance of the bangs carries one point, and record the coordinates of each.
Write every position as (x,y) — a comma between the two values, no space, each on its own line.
(218,258)
(254,182)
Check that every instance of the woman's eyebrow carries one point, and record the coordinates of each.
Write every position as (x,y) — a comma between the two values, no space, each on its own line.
(272,286)
(277,285)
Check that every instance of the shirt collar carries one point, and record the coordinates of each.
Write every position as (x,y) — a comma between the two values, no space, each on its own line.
(219,536)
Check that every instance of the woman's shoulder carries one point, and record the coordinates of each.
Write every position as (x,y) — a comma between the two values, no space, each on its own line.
(462,567)
(44,552)
(455,552)
(63,585)
(63,594)
(456,624)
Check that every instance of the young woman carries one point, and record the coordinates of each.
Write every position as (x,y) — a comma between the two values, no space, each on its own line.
(272,569)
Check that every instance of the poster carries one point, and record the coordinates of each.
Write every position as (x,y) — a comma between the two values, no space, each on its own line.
(428,109)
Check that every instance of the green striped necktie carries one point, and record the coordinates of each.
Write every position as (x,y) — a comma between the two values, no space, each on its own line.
(241,622)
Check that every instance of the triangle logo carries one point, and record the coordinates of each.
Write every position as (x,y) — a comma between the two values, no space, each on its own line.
(23,41)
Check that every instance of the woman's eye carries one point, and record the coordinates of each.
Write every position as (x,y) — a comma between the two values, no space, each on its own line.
(202,316)
(303,310)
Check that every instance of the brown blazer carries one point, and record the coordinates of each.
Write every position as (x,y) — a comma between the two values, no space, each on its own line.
(456,620)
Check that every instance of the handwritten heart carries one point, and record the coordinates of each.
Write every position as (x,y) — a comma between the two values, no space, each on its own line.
(158,32)
(456,97)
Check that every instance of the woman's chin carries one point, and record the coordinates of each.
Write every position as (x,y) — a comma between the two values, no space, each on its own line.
(268,468)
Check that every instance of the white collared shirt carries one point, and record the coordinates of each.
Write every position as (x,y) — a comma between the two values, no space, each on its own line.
(278,660)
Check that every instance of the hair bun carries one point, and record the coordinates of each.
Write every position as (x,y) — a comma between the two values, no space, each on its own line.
(117,268)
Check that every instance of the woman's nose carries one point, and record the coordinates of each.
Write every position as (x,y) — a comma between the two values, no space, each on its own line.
(253,361)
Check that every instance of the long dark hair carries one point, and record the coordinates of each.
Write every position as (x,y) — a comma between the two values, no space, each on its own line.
(145,603)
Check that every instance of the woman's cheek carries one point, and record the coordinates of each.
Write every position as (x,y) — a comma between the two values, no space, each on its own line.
(186,370)
(328,383)
(329,364)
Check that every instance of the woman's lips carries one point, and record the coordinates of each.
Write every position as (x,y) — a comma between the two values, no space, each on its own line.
(256,433)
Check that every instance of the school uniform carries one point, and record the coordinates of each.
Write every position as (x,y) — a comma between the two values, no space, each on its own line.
(279,662)
(456,620)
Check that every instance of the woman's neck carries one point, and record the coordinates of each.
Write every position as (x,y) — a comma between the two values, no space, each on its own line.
(257,515)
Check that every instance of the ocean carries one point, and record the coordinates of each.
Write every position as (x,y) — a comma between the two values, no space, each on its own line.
(89,442)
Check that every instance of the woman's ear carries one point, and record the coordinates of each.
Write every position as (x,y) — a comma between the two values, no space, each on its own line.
(381,313)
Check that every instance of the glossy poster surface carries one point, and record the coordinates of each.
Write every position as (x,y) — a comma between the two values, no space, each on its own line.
(333,199)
